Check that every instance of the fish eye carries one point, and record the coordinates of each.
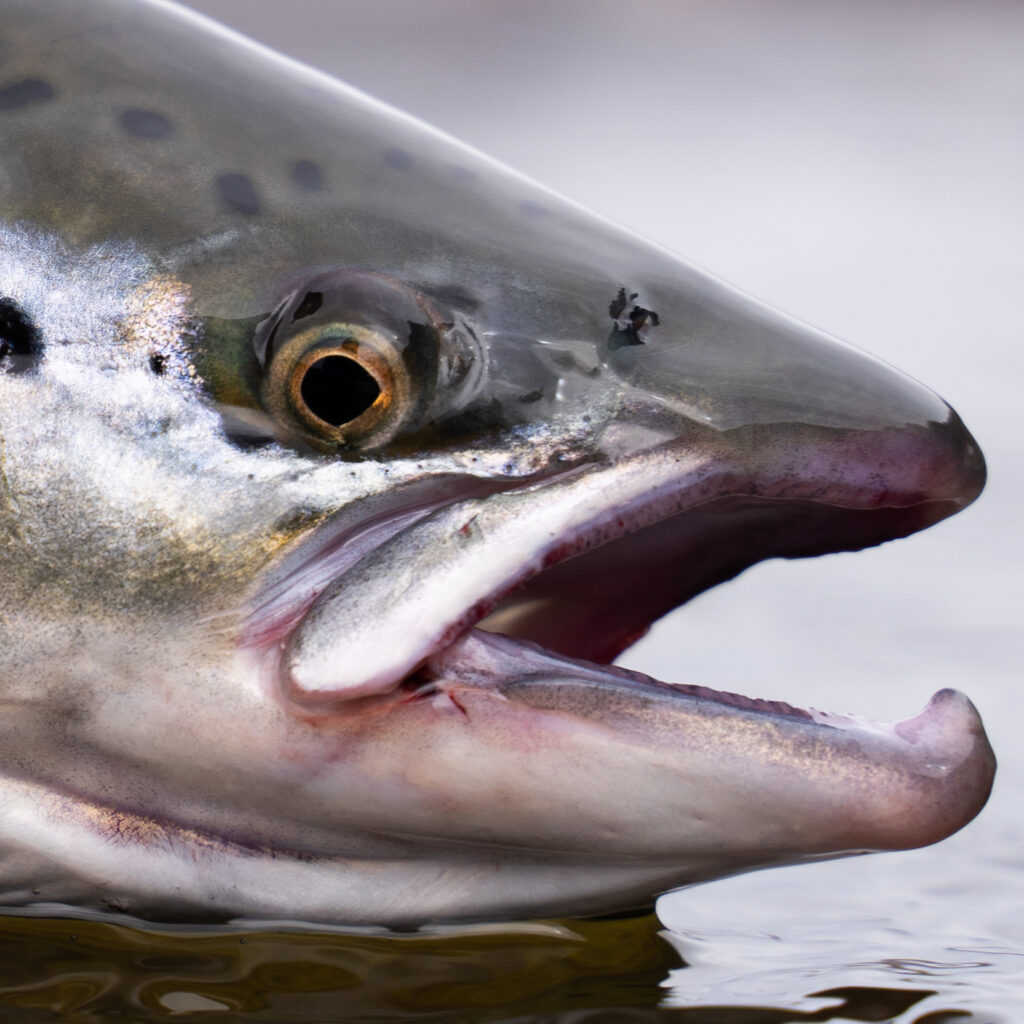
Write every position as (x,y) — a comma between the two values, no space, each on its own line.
(349,360)
(341,384)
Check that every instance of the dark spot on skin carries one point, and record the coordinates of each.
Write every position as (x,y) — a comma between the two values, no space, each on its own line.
(21,94)
(398,158)
(145,124)
(238,193)
(307,175)
(20,342)
(309,305)
(631,321)
(158,363)
(618,304)
(532,396)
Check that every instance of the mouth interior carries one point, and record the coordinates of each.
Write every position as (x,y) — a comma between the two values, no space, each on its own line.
(595,605)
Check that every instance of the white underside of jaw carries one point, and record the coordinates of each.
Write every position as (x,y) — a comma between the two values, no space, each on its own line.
(71,856)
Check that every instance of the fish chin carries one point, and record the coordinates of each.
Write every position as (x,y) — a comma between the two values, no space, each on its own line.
(933,770)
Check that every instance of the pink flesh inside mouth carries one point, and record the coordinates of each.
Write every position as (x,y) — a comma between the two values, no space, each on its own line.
(590,607)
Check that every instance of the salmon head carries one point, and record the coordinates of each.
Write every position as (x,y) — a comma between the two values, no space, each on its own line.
(338,463)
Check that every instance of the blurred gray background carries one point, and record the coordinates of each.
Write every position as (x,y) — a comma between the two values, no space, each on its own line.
(858,163)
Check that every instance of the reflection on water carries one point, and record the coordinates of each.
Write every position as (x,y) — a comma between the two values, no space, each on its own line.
(941,927)
(571,973)
(87,970)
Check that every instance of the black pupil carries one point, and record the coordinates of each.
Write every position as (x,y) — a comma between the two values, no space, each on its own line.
(337,389)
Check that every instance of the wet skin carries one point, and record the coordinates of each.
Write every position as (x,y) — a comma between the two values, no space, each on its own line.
(337,464)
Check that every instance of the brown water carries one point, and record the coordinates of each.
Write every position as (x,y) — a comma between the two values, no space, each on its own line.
(68,970)
(90,971)
(614,970)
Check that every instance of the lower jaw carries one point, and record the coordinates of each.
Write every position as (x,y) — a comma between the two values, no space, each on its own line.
(770,782)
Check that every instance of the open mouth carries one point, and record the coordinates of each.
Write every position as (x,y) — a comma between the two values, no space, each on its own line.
(581,563)
(596,605)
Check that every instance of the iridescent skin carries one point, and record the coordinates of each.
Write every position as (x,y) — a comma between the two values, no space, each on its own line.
(238,666)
